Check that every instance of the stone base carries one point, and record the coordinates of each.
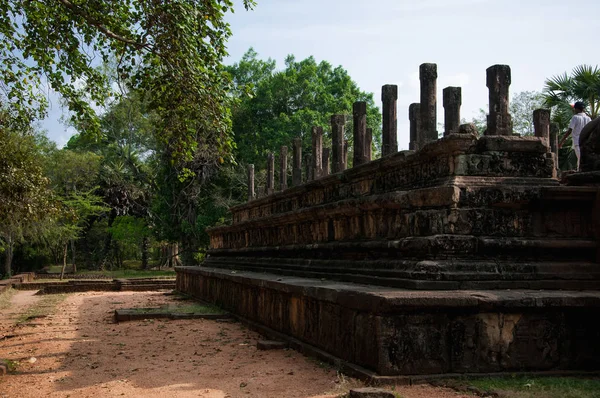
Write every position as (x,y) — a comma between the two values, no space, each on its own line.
(393,332)
(589,178)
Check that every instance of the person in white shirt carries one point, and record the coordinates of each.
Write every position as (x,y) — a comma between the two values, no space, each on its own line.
(579,120)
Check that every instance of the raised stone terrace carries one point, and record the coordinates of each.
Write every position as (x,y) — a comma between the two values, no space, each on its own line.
(464,254)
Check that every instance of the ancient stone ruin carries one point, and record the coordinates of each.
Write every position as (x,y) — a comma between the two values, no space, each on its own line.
(462,255)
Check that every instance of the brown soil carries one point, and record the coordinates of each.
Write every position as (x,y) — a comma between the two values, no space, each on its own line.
(80,352)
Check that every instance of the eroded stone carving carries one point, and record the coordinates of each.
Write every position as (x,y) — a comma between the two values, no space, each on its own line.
(359,113)
(337,143)
(452,102)
(499,121)
(428,108)
(389,97)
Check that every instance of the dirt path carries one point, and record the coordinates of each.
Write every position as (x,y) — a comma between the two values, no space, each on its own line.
(79,352)
(19,303)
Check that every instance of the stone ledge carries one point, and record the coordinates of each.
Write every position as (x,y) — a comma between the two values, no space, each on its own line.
(380,300)
(452,244)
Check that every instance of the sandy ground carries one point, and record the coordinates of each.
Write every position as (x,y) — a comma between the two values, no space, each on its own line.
(80,352)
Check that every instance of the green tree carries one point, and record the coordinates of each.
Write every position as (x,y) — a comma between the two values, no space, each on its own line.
(582,85)
(126,147)
(170,50)
(275,106)
(73,176)
(25,197)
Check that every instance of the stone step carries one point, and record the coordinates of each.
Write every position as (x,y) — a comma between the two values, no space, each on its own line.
(448,282)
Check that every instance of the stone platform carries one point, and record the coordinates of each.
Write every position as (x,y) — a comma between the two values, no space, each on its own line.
(377,331)
(463,256)
(461,213)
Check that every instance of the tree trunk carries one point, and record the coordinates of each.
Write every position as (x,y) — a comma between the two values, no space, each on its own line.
(73,256)
(8,256)
(62,271)
(108,241)
(171,256)
(189,248)
(145,246)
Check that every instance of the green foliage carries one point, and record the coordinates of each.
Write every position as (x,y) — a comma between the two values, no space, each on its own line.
(582,85)
(25,197)
(129,229)
(522,106)
(24,194)
(275,106)
(171,51)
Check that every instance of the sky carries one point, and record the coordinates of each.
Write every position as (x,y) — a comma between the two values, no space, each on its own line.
(384,41)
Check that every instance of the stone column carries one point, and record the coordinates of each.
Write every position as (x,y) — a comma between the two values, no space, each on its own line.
(368,144)
(325,161)
(283,168)
(359,113)
(452,101)
(428,77)
(270,187)
(345,164)
(554,132)
(317,152)
(251,194)
(297,162)
(499,121)
(309,168)
(414,116)
(541,123)
(389,97)
(337,142)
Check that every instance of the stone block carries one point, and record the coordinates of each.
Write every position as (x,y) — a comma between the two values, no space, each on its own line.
(531,145)
(370,392)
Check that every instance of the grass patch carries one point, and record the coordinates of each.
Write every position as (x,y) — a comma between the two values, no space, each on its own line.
(195,308)
(5,298)
(540,387)
(44,307)
(11,366)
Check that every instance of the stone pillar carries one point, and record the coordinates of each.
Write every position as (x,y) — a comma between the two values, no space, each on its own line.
(325,161)
(369,145)
(554,132)
(309,168)
(452,101)
(389,97)
(337,143)
(428,77)
(270,187)
(345,164)
(414,116)
(251,194)
(283,168)
(541,123)
(297,162)
(359,112)
(499,121)
(317,152)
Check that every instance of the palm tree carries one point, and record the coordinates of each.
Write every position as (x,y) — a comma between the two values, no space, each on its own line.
(562,90)
(583,85)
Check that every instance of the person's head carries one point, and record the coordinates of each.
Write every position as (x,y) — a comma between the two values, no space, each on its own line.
(578,107)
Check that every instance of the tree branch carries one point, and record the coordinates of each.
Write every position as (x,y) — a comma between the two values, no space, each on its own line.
(92,21)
